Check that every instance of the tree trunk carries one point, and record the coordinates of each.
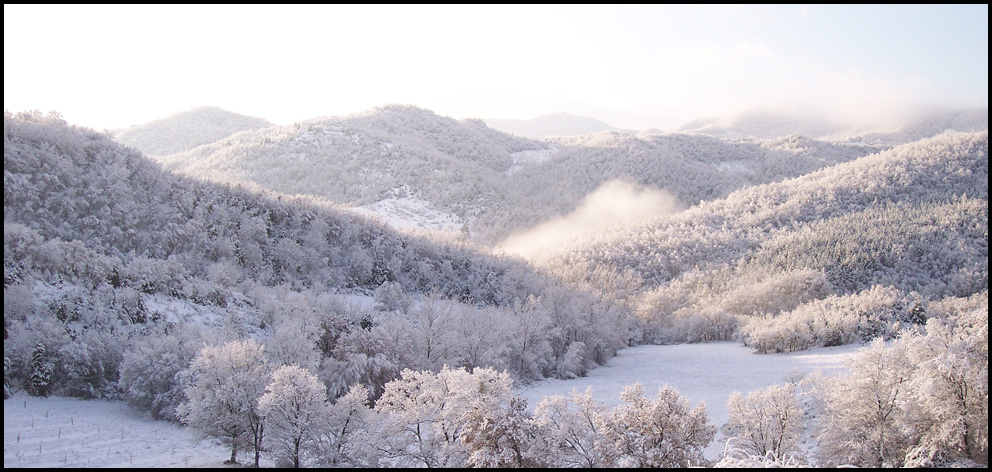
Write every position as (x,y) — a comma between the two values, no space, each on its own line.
(296,453)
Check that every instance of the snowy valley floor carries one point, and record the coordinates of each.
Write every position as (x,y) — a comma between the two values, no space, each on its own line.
(60,432)
(705,372)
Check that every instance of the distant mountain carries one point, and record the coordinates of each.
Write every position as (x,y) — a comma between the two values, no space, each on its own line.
(186,130)
(555,124)
(812,123)
(766,124)
(930,123)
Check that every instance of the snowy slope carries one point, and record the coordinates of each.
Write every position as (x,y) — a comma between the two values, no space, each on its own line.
(412,213)
(524,159)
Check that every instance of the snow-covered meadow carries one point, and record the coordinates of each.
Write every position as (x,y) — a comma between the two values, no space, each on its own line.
(703,372)
(68,432)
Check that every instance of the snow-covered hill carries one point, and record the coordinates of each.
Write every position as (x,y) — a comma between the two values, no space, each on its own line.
(876,235)
(107,256)
(186,130)
(452,167)
(809,122)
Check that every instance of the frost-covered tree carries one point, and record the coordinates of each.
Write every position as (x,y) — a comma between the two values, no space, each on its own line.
(571,431)
(371,357)
(433,334)
(502,437)
(150,367)
(390,297)
(296,330)
(663,432)
(529,350)
(222,399)
(345,439)
(42,371)
(766,423)
(867,415)
(295,409)
(579,431)
(951,388)
(426,413)
(481,337)
(921,400)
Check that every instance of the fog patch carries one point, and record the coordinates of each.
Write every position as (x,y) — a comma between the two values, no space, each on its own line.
(613,204)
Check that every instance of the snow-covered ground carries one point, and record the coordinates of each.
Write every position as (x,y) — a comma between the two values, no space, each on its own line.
(525,159)
(65,432)
(705,372)
(60,432)
(740,167)
(412,213)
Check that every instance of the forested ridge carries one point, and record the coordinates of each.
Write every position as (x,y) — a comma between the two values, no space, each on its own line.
(912,220)
(493,183)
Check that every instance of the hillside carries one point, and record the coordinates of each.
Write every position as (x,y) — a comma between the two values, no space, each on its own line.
(108,256)
(555,124)
(123,282)
(72,185)
(394,152)
(907,223)
(418,170)
(689,168)
(186,130)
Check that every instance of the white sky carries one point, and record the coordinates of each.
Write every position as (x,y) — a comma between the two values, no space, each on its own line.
(631,66)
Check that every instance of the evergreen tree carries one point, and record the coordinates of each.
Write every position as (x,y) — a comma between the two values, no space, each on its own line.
(42,371)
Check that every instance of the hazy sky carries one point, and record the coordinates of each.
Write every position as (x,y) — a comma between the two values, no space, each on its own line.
(631,66)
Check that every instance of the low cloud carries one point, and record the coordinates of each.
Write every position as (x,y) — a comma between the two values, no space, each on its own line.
(613,204)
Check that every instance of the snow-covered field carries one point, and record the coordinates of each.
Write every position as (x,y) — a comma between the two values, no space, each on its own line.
(60,432)
(65,432)
(705,372)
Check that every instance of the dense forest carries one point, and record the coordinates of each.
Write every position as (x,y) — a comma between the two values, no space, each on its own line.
(100,243)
